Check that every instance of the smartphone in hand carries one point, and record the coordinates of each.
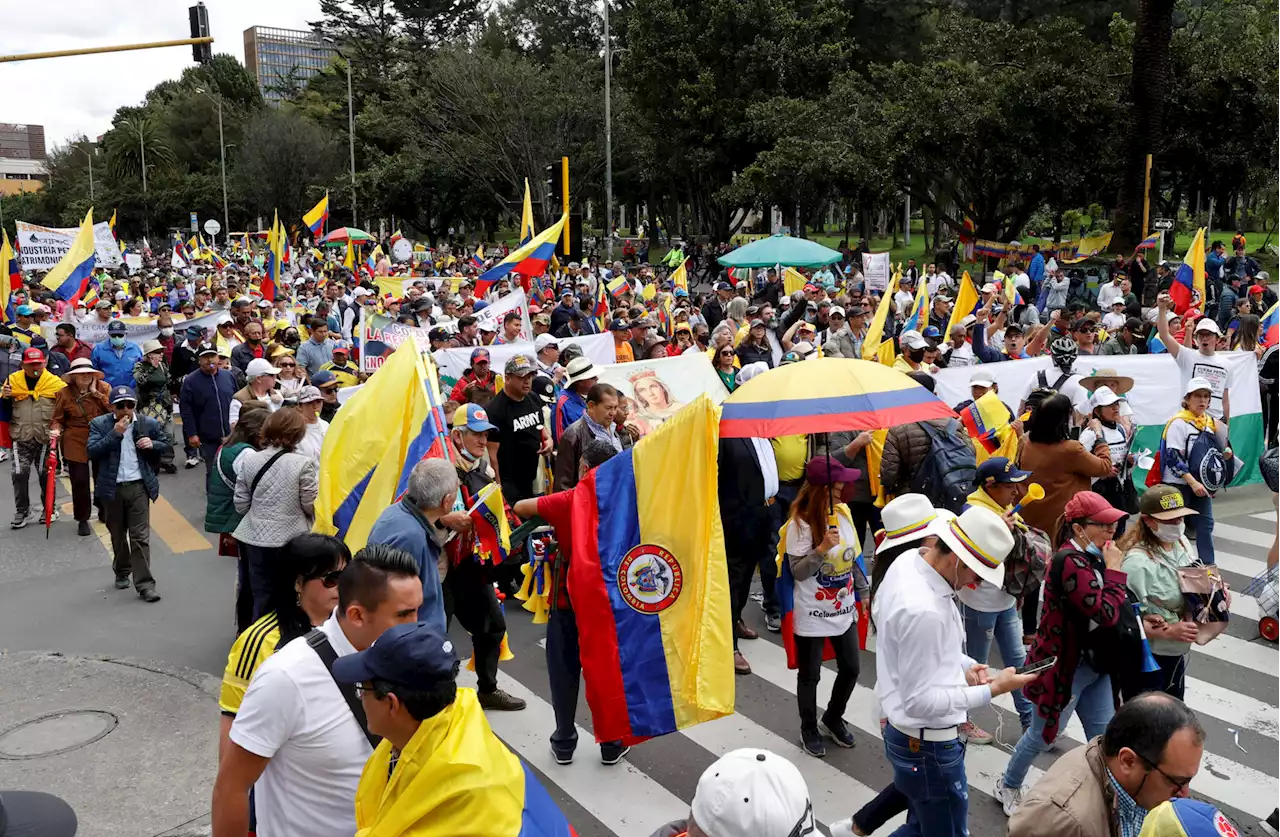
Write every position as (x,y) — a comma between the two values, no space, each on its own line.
(1036,668)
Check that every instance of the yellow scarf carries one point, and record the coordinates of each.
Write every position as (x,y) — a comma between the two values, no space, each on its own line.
(1203,423)
(47,385)
(986,501)
(454,777)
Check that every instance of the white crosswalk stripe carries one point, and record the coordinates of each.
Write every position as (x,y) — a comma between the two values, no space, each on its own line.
(1269,516)
(1240,534)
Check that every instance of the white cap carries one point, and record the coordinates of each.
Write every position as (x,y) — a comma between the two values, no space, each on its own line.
(749,371)
(359,292)
(1207,324)
(752,792)
(224,318)
(980,377)
(542,341)
(1196,384)
(258,367)
(804,348)
(488,325)
(1103,396)
(786,300)
(989,288)
(912,339)
(967,320)
(835,309)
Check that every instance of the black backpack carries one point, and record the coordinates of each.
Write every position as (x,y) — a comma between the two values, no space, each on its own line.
(949,472)
(1116,649)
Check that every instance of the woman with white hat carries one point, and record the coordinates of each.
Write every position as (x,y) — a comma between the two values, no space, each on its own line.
(85,398)
(1107,435)
(151,374)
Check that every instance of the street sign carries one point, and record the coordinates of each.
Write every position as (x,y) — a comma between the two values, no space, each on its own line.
(1162,224)
(212,227)
(195,223)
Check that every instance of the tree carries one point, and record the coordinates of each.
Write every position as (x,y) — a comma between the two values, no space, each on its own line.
(431,24)
(284,159)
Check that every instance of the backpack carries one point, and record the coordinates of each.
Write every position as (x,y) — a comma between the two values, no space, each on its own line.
(1116,649)
(1043,378)
(949,472)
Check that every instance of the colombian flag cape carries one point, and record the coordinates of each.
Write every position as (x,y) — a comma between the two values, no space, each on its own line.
(988,423)
(648,575)
(454,777)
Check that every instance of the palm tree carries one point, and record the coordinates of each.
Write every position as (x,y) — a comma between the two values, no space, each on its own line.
(132,141)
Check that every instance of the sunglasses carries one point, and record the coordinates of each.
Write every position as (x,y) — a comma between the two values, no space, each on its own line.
(124,405)
(362,690)
(287,365)
(727,353)
(329,579)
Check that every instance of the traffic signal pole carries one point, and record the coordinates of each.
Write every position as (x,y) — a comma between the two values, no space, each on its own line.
(62,53)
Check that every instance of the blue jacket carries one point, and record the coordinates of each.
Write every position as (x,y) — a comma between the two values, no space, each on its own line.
(205,404)
(104,449)
(1035,270)
(400,525)
(117,369)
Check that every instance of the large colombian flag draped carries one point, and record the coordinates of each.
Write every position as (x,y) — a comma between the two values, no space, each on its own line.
(530,259)
(648,575)
(393,422)
(70,275)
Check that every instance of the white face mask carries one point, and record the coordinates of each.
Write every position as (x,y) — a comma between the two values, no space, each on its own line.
(1170,532)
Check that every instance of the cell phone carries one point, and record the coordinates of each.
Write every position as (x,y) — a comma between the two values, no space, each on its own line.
(1036,668)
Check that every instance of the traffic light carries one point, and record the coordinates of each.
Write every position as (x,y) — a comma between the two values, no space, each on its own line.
(553,193)
(199,16)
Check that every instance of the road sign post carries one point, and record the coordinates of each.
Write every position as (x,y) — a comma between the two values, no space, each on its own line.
(1161,225)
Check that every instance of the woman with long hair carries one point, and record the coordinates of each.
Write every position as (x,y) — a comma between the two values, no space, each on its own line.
(1245,337)
(821,550)
(220,515)
(1153,552)
(755,347)
(1061,465)
(737,313)
(1083,585)
(722,360)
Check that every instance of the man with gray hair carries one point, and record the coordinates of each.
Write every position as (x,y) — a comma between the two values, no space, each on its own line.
(420,524)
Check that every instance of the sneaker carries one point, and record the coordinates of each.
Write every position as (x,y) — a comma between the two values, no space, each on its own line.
(4,454)
(838,730)
(168,468)
(974,734)
(773,622)
(192,461)
(562,756)
(53,519)
(149,595)
(122,582)
(740,664)
(20,519)
(811,741)
(500,700)
(83,528)
(1009,798)
(612,753)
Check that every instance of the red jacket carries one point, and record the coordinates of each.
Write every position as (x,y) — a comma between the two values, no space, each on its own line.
(79,349)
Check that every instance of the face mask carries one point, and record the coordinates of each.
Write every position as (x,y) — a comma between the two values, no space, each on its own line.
(117,342)
(1094,550)
(166,332)
(916,355)
(1170,532)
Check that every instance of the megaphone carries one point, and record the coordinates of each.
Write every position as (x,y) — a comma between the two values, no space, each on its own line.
(1034,492)
(1149,663)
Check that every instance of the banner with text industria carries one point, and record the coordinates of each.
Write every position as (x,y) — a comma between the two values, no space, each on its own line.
(40,248)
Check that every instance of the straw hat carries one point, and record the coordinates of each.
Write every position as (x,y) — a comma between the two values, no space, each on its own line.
(1119,384)
(82,366)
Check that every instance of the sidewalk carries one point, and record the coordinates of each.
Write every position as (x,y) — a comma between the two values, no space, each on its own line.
(130,744)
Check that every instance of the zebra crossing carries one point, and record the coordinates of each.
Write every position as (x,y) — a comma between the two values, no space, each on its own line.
(1232,685)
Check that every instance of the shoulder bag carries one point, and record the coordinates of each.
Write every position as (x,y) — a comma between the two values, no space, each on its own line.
(324,650)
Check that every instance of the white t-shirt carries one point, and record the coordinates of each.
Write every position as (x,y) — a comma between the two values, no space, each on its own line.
(1195,365)
(1108,292)
(987,598)
(824,603)
(1113,321)
(902,301)
(962,356)
(314,440)
(1116,440)
(294,715)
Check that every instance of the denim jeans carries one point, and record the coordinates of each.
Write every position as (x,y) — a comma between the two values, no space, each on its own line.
(931,776)
(1091,699)
(888,804)
(979,627)
(1202,523)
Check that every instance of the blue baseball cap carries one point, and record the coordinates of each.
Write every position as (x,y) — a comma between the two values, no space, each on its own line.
(195,331)
(999,469)
(474,418)
(679,291)
(324,376)
(123,393)
(23,310)
(417,656)
(931,333)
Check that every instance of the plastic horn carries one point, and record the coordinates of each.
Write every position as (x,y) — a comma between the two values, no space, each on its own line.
(1149,663)
(1034,492)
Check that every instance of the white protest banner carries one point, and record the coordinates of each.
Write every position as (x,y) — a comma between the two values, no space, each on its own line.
(454,362)
(1155,397)
(40,248)
(134,261)
(659,388)
(137,329)
(380,336)
(875,270)
(496,311)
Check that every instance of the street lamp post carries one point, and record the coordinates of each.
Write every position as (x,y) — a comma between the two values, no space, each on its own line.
(146,200)
(222,156)
(608,140)
(88,157)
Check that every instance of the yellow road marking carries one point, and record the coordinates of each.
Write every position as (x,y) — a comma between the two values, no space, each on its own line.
(99,528)
(166,521)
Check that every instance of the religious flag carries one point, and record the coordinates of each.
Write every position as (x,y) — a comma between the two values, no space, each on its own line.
(876,331)
(1187,290)
(391,424)
(492,529)
(526,217)
(648,575)
(1270,327)
(317,217)
(11,278)
(527,260)
(918,316)
(988,422)
(680,277)
(272,277)
(478,258)
(67,278)
(967,301)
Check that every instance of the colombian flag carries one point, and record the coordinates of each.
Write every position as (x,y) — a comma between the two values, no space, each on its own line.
(618,287)
(1148,242)
(275,261)
(393,423)
(454,777)
(918,316)
(1187,290)
(987,421)
(530,259)
(648,575)
(218,262)
(1270,326)
(680,278)
(871,348)
(489,517)
(967,302)
(10,278)
(69,276)
(317,217)
(478,258)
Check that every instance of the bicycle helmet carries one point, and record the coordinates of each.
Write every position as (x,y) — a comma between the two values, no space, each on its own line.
(1063,352)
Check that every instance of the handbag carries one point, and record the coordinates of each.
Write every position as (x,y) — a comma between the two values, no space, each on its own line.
(1208,604)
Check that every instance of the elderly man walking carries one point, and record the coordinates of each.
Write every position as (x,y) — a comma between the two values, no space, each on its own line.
(31,392)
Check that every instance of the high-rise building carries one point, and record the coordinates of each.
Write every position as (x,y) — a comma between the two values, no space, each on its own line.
(282,60)
(22,158)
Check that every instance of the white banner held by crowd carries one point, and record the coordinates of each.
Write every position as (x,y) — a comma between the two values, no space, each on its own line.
(137,329)
(40,248)
(454,362)
(875,271)
(514,301)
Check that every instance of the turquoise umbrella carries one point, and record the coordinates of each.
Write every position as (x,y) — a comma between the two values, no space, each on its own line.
(781,250)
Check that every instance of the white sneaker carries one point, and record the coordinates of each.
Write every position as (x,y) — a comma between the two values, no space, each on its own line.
(1009,798)
(843,828)
(193,461)
(4,454)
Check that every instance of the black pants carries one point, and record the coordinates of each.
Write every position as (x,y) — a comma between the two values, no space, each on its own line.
(809,655)
(1031,609)
(260,566)
(746,542)
(128,515)
(1269,415)
(34,814)
(888,804)
(81,494)
(564,669)
(866,521)
(209,453)
(469,595)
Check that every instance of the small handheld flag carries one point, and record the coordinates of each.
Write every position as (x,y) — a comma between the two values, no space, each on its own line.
(489,518)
